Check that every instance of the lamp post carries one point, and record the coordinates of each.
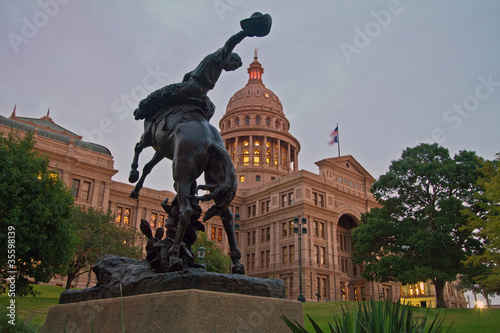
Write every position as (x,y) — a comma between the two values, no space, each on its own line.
(201,254)
(300,230)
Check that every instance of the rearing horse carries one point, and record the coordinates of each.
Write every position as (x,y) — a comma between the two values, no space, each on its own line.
(182,134)
(177,126)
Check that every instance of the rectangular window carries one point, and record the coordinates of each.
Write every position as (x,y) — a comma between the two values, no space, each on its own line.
(242,179)
(249,238)
(284,228)
(262,235)
(74,187)
(292,253)
(249,211)
(316,253)
(316,228)
(214,232)
(161,222)
(219,235)
(253,261)
(323,255)
(262,259)
(85,192)
(268,234)
(284,255)
(126,216)
(257,178)
(253,237)
(153,221)
(268,258)
(262,208)
(283,200)
(322,229)
(119,213)
(290,198)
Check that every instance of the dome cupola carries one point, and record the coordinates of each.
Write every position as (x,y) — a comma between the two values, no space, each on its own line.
(255,132)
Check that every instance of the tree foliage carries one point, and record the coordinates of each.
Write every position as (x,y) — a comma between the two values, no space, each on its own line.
(484,221)
(215,260)
(418,232)
(34,205)
(97,236)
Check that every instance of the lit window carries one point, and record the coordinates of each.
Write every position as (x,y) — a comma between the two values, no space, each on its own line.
(126,216)
(219,235)
(242,179)
(246,157)
(214,231)
(119,213)
(256,157)
(153,221)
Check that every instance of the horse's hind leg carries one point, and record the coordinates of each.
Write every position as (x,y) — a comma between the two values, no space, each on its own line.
(184,197)
(146,171)
(227,221)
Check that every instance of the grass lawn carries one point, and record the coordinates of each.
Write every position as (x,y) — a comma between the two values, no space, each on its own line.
(33,310)
(464,320)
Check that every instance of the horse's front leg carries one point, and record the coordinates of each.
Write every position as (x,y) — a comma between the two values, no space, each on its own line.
(145,171)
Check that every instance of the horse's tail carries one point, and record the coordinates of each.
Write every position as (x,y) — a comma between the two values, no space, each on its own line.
(225,191)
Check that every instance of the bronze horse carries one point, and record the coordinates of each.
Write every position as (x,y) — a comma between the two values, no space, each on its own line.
(182,134)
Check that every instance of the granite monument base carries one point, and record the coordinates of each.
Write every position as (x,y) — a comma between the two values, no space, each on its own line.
(175,311)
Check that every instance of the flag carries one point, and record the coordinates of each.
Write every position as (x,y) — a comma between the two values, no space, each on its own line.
(335,136)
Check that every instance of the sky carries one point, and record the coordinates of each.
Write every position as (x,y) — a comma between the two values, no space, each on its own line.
(391,74)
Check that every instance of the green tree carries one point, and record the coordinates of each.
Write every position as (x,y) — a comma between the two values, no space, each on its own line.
(97,236)
(484,221)
(215,260)
(35,206)
(417,234)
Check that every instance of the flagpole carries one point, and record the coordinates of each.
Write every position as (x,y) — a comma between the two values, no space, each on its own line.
(338,138)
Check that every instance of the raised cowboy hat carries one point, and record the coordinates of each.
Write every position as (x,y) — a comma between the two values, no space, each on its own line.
(258,24)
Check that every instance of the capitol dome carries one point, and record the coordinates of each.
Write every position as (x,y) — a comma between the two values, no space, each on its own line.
(255,132)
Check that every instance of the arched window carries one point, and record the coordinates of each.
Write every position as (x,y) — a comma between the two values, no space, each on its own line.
(237,121)
(277,124)
(246,157)
(268,121)
(228,124)
(256,157)
(247,120)
(257,120)
(268,157)
(276,160)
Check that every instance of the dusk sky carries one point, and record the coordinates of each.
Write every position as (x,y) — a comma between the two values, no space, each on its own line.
(392,74)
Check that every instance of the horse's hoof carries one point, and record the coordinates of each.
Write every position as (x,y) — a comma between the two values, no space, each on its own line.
(175,264)
(133,176)
(238,269)
(134,194)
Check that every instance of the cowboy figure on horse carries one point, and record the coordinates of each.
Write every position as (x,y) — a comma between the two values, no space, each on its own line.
(177,126)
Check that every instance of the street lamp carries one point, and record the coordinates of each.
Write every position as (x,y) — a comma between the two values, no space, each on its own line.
(201,254)
(300,230)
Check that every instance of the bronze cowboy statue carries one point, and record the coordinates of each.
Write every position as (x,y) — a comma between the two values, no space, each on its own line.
(176,125)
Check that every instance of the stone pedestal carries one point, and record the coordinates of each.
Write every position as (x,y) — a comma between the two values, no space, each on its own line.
(175,311)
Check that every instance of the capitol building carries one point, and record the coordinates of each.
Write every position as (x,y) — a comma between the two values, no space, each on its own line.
(273,194)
